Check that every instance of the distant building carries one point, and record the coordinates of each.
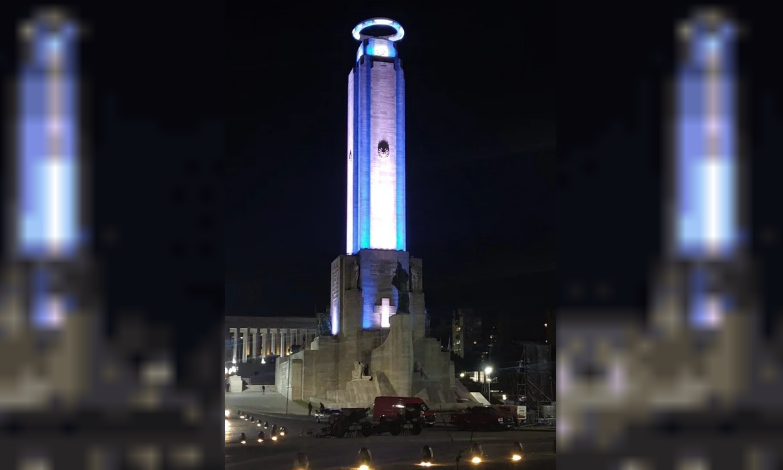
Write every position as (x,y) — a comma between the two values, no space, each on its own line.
(466,332)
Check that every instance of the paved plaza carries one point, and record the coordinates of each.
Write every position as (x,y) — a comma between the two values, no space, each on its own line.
(389,452)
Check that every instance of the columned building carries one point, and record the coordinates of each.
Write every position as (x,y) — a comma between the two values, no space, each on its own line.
(255,338)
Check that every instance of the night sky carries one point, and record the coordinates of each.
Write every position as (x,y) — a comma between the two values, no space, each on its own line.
(480,110)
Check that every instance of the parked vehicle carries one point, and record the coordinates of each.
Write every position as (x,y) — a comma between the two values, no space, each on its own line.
(395,414)
(519,413)
(386,407)
(327,416)
(353,421)
(482,417)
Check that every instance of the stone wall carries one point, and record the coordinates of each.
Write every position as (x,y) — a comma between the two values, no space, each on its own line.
(395,356)
(436,386)
(350,333)
(308,375)
(296,389)
(418,315)
(281,375)
(325,365)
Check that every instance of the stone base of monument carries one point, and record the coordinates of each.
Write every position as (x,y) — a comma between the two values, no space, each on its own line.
(235,382)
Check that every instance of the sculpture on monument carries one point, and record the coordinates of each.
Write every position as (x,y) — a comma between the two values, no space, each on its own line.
(358,369)
(324,323)
(415,278)
(355,275)
(401,282)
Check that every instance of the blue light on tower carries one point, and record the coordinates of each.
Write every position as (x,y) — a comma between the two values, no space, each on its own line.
(376,150)
(706,138)
(48,132)
(48,217)
(707,222)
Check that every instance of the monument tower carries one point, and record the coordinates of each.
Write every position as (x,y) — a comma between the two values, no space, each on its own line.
(376,299)
(375,156)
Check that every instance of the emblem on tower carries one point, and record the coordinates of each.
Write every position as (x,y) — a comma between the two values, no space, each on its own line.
(383,149)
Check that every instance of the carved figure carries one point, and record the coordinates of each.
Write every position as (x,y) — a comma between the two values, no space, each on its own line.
(324,324)
(355,283)
(415,278)
(401,282)
(357,370)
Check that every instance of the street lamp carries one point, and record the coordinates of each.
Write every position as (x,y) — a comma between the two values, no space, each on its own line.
(488,380)
(288,390)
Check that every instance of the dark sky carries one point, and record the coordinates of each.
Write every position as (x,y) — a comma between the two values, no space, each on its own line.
(480,107)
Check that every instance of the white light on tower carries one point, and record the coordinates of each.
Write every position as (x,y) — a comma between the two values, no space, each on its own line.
(385,313)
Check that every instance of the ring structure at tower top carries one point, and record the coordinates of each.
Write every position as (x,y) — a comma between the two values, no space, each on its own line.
(357,31)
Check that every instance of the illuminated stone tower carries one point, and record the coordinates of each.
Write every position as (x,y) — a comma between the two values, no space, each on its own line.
(378,345)
(707,231)
(376,143)
(375,165)
(49,217)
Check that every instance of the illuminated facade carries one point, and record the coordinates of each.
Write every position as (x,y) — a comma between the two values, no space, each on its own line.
(376,144)
(47,215)
(706,165)
(375,156)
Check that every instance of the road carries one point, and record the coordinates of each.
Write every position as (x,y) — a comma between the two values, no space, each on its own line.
(389,452)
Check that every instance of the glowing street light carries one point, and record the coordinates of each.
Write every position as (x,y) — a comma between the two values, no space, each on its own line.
(301,462)
(427,456)
(364,460)
(517,452)
(476,454)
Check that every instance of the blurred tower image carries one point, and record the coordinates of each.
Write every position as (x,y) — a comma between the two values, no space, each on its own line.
(700,351)
(51,319)
(48,275)
(50,231)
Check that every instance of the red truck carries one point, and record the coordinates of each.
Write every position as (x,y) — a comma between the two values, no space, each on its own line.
(396,413)
(482,417)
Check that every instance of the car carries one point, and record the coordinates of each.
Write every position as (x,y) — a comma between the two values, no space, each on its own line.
(326,415)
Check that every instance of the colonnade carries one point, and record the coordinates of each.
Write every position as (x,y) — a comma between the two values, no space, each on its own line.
(261,342)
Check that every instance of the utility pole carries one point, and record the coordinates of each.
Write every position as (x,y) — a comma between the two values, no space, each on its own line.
(288,387)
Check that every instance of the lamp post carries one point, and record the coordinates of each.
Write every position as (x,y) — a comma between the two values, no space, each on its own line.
(487,372)
(288,387)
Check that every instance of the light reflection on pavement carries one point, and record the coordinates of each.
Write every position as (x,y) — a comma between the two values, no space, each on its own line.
(388,451)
